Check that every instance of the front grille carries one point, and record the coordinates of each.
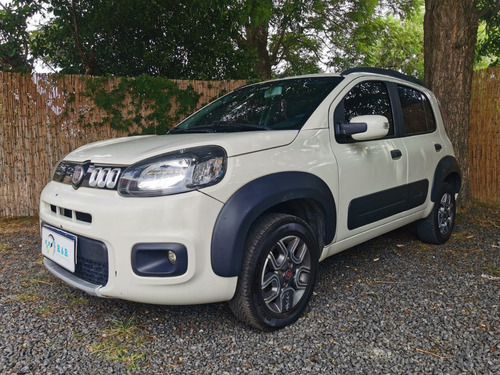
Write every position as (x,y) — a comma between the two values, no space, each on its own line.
(82,216)
(88,175)
(71,214)
(92,261)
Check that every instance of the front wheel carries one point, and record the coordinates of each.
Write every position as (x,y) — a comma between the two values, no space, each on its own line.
(278,272)
(437,227)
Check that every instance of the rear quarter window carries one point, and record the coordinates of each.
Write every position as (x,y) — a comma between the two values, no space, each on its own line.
(417,112)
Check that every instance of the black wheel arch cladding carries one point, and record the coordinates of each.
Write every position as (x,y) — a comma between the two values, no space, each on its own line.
(447,166)
(251,201)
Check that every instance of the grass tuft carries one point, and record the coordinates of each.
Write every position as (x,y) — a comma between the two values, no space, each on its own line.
(120,343)
(9,225)
(493,269)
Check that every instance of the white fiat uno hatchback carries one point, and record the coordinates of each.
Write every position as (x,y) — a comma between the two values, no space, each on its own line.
(243,199)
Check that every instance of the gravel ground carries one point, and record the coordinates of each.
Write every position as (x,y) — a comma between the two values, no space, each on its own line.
(390,306)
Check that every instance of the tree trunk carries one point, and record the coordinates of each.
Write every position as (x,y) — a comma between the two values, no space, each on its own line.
(87,60)
(450,33)
(257,40)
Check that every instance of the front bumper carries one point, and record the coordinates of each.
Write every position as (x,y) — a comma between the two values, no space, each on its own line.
(70,279)
(122,223)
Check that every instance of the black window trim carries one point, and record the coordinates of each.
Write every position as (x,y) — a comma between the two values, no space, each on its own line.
(400,110)
(396,108)
(394,103)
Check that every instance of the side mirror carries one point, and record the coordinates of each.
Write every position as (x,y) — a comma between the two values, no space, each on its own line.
(376,127)
(351,128)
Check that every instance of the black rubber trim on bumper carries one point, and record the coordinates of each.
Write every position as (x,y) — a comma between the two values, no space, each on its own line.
(71,279)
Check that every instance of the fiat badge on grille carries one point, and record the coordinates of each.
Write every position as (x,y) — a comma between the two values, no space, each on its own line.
(78,176)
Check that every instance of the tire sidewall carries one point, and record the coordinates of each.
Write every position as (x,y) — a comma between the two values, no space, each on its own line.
(443,237)
(265,244)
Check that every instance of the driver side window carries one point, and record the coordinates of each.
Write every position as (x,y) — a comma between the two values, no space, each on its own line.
(366,98)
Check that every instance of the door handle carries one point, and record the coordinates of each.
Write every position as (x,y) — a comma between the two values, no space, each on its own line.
(396,154)
(438,147)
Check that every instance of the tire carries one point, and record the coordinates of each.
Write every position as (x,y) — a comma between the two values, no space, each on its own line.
(278,274)
(437,227)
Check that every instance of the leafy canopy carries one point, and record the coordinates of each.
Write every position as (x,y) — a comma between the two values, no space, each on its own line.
(225,39)
(14,37)
(128,38)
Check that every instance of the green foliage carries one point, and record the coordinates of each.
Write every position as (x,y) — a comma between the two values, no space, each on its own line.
(192,39)
(226,39)
(14,36)
(291,37)
(390,37)
(275,32)
(488,38)
(207,39)
(140,105)
(397,45)
(298,56)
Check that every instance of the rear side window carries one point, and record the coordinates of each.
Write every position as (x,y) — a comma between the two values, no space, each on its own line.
(417,112)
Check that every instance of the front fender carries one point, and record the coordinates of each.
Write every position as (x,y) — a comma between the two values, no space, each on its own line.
(250,201)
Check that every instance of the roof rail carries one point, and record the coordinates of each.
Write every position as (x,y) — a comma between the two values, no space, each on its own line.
(387,72)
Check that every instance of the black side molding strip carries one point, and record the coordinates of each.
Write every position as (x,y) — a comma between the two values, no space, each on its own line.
(374,207)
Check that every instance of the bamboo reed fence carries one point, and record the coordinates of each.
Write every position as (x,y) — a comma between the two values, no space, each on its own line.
(39,124)
(484,136)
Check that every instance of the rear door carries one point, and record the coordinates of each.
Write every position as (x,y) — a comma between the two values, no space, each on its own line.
(422,143)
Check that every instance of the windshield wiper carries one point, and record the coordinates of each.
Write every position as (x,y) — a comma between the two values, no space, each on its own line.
(220,126)
(250,126)
(194,129)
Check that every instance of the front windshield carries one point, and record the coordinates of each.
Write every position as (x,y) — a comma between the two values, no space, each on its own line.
(276,105)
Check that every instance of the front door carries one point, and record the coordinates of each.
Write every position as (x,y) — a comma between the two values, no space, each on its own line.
(372,174)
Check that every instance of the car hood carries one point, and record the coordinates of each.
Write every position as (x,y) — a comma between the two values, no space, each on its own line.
(129,150)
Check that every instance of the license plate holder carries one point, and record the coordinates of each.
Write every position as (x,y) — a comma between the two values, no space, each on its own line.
(59,246)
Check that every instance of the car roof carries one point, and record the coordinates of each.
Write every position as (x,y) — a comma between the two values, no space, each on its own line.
(385,72)
(359,71)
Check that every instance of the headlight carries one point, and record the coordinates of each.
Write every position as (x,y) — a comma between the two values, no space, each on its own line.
(63,171)
(175,172)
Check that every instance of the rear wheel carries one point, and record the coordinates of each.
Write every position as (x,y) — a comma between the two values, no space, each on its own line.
(437,227)
(278,274)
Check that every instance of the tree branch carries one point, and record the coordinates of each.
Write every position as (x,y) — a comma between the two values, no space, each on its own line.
(76,37)
(495,10)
